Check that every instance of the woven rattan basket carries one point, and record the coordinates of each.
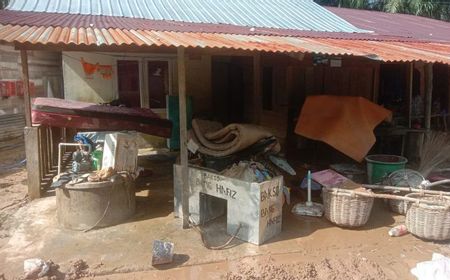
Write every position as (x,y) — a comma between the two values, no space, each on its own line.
(429,221)
(346,209)
(398,206)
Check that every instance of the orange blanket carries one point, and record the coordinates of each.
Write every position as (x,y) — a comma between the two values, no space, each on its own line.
(344,122)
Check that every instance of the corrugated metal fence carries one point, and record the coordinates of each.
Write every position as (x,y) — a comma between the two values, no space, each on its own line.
(11,130)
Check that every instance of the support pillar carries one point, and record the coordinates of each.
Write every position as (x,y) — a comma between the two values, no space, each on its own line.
(428,94)
(31,135)
(183,135)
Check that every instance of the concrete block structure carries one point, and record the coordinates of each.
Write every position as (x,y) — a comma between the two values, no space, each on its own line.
(256,207)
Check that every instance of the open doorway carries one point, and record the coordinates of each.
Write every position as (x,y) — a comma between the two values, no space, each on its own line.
(158,83)
(231,83)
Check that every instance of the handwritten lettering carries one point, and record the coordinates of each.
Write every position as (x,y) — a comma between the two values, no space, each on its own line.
(273,221)
(225,191)
(268,210)
(271,192)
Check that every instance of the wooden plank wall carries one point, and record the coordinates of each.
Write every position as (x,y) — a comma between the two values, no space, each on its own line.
(45,73)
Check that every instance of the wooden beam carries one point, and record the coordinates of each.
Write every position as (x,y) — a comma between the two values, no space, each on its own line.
(183,135)
(95,48)
(376,83)
(26,86)
(428,94)
(257,89)
(409,81)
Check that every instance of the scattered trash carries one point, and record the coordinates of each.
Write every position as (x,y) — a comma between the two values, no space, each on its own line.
(309,208)
(162,252)
(437,269)
(249,171)
(35,268)
(397,231)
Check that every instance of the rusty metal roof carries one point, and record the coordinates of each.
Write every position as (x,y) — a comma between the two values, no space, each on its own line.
(98,37)
(78,21)
(394,24)
(288,14)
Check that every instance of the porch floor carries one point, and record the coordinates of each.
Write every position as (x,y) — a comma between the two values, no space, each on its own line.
(127,248)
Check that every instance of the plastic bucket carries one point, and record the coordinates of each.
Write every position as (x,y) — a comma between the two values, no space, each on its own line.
(380,166)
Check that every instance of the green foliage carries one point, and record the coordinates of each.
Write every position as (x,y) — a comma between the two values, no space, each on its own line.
(3,3)
(438,9)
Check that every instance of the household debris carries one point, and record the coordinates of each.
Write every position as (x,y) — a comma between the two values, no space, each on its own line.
(437,269)
(249,172)
(40,269)
(57,112)
(35,268)
(102,175)
(344,122)
(283,164)
(406,178)
(215,140)
(380,166)
(162,252)
(397,231)
(308,208)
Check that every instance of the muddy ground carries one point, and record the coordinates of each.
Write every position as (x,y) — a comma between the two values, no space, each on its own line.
(307,248)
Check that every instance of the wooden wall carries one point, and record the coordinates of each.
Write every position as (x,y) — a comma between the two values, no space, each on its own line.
(45,76)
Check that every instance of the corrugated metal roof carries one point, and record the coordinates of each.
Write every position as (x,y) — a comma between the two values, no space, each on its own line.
(288,14)
(390,24)
(379,50)
(69,20)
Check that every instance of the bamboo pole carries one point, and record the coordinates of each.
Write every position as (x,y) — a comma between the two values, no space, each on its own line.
(387,196)
(183,135)
(417,190)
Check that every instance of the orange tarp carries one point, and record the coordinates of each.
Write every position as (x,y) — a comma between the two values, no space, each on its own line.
(344,122)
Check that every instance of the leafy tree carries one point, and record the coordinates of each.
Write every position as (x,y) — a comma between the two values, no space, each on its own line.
(438,9)
(3,3)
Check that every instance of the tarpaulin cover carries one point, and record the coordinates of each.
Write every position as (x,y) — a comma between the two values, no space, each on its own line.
(82,115)
(344,122)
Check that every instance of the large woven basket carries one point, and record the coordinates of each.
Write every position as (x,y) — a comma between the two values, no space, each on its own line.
(346,209)
(429,221)
(398,206)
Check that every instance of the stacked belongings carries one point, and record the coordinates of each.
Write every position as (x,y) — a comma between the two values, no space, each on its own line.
(220,147)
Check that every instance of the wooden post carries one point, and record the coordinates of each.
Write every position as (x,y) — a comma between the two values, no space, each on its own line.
(376,83)
(428,94)
(33,161)
(31,134)
(26,86)
(257,89)
(409,79)
(183,135)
